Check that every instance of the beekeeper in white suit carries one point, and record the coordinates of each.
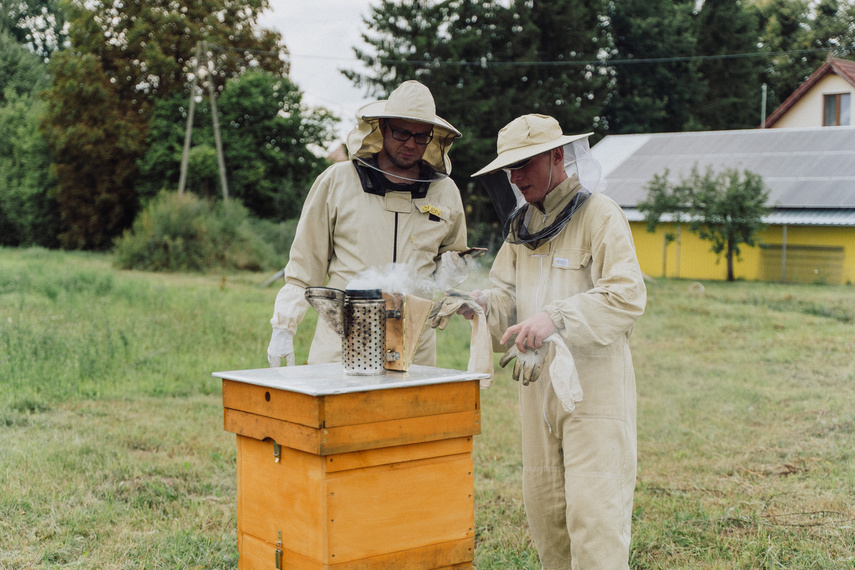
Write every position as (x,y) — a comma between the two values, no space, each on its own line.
(393,203)
(567,273)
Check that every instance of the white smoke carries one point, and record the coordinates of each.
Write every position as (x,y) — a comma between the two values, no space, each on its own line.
(403,278)
(394,278)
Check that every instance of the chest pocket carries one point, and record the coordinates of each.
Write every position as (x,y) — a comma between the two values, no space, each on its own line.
(571,273)
(571,259)
(430,225)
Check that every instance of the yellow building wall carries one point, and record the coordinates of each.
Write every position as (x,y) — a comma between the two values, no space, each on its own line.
(689,257)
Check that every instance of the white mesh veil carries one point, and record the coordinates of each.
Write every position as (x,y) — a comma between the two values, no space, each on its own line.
(579,161)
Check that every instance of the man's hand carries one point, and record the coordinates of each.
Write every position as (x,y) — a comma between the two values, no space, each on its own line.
(467,311)
(531,332)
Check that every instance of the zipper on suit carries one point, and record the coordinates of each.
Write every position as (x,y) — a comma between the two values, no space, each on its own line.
(543,405)
(395,241)
(537,308)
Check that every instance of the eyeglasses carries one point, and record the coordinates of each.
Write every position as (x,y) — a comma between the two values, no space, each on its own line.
(404,135)
(518,165)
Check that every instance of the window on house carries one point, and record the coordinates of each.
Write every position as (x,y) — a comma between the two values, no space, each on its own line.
(837,110)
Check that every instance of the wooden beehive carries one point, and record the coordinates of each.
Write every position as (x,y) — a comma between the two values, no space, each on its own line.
(375,474)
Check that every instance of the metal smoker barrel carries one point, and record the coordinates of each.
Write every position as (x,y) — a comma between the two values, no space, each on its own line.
(364,341)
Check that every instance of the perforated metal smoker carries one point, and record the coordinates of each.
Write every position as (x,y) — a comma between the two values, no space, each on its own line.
(364,340)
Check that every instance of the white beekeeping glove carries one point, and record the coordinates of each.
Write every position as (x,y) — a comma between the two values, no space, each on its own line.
(281,346)
(451,270)
(529,364)
(288,311)
(480,344)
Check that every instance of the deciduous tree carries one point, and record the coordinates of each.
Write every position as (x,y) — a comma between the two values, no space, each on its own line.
(20,70)
(28,212)
(726,208)
(125,55)
(38,24)
(268,135)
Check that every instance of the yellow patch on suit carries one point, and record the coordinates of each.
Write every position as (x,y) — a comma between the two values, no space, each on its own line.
(428,209)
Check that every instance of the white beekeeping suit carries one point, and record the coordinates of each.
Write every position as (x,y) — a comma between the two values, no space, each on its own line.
(568,271)
(355,219)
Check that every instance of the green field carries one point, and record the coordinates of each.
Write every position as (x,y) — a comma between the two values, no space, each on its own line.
(113,454)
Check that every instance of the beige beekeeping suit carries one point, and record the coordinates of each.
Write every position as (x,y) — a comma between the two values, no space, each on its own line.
(344,230)
(579,467)
(569,255)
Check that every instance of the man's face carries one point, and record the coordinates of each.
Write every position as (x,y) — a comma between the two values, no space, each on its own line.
(405,154)
(533,178)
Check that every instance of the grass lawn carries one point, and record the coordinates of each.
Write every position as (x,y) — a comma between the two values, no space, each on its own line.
(113,453)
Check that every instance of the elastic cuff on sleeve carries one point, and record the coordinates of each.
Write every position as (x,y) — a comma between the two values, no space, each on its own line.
(555,315)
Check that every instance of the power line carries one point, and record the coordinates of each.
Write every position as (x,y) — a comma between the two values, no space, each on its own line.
(560,63)
(249,50)
(604,61)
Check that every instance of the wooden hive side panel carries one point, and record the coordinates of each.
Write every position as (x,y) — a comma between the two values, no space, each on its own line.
(408,402)
(400,507)
(287,496)
(272,403)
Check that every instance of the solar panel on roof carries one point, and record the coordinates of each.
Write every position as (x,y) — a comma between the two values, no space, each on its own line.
(804,168)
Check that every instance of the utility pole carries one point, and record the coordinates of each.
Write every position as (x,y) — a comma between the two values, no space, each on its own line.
(202,51)
(188,134)
(220,159)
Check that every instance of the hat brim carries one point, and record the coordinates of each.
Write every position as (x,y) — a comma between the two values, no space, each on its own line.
(377,110)
(514,155)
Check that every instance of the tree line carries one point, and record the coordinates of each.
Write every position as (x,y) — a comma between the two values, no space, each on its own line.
(101,117)
(601,66)
(94,95)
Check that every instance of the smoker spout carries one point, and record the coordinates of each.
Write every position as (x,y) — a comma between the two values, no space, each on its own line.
(329,303)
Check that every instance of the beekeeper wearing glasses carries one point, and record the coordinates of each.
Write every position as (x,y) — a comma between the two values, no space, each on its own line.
(392,203)
(566,293)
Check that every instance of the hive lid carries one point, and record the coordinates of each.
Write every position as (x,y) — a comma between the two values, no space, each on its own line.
(324,379)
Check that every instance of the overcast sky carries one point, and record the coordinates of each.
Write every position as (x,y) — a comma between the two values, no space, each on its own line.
(320,35)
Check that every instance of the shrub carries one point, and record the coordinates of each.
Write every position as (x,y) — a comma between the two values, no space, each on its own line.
(279,235)
(180,232)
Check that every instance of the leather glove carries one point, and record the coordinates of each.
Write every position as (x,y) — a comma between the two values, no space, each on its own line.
(450,306)
(281,346)
(529,364)
(451,270)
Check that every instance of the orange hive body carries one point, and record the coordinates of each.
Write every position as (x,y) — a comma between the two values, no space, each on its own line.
(362,473)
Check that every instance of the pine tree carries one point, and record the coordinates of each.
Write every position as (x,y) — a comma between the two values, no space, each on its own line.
(486,64)
(728,35)
(657,95)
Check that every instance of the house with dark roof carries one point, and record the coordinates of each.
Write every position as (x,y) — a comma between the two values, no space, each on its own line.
(823,100)
(810,173)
